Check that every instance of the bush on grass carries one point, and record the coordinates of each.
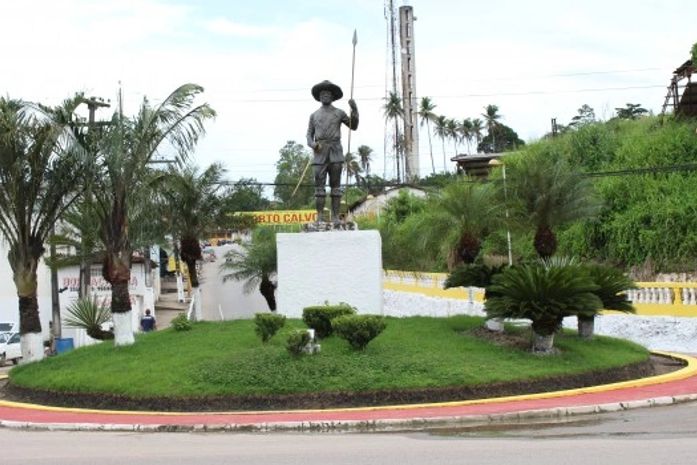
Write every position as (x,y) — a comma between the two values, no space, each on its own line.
(358,330)
(297,341)
(181,323)
(268,324)
(320,317)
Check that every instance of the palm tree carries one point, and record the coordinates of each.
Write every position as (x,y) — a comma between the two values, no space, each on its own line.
(477,127)
(544,192)
(456,221)
(352,167)
(364,153)
(194,203)
(125,150)
(453,134)
(256,264)
(491,118)
(41,171)
(426,114)
(393,110)
(465,130)
(441,130)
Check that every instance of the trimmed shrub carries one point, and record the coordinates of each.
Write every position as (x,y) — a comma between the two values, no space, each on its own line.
(267,324)
(320,318)
(297,341)
(181,323)
(358,330)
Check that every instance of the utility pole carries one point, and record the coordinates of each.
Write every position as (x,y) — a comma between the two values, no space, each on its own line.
(555,129)
(85,276)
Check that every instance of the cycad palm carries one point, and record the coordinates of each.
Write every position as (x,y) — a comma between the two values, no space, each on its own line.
(456,221)
(125,151)
(426,114)
(545,192)
(41,169)
(254,263)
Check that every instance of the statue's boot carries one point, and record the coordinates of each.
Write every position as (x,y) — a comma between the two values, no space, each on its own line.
(319,206)
(336,206)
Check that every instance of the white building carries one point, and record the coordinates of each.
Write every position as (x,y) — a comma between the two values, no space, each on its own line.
(144,290)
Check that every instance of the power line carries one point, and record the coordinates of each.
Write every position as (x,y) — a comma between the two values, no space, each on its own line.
(495,94)
(596,174)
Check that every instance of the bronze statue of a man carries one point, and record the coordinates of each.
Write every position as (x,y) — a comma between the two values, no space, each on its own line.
(324,138)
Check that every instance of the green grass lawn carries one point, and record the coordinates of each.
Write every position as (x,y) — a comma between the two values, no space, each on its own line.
(229,359)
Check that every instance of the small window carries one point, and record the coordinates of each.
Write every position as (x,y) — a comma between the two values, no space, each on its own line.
(14,339)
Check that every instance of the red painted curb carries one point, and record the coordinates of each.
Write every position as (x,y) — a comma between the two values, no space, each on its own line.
(39,416)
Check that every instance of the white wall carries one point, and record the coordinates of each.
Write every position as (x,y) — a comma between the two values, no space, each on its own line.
(142,296)
(674,334)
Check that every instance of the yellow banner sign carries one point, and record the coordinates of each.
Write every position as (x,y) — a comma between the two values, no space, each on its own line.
(283,217)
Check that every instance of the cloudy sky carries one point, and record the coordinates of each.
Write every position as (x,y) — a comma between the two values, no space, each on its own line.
(258,60)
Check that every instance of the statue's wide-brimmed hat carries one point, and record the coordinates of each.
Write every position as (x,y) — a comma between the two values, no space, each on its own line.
(326,85)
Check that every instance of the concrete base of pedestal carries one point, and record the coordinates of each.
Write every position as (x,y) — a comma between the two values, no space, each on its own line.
(337,266)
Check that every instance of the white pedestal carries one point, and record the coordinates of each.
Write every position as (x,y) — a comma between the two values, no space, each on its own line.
(333,267)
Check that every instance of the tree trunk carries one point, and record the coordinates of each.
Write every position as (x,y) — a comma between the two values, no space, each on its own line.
(31,340)
(586,327)
(545,241)
(24,267)
(117,271)
(268,290)
(543,331)
(430,147)
(542,344)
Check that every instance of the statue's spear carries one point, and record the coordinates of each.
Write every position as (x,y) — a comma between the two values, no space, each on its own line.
(353,72)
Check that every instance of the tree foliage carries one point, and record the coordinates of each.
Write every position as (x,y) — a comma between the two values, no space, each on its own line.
(289,169)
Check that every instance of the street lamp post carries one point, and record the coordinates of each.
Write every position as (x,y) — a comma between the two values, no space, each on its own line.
(496,162)
(496,324)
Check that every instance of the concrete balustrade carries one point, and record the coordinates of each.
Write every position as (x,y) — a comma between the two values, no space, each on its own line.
(651,298)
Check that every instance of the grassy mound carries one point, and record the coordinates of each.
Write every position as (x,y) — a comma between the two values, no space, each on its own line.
(228,359)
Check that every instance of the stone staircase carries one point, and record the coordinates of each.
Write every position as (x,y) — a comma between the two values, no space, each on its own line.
(168,307)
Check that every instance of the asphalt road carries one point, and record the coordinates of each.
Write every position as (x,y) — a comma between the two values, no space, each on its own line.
(660,435)
(228,297)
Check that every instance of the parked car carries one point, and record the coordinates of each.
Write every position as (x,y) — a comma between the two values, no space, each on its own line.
(10,348)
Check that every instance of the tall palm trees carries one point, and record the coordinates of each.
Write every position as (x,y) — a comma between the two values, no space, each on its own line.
(491,118)
(353,168)
(426,114)
(441,130)
(477,127)
(125,150)
(394,111)
(41,167)
(364,154)
(465,130)
(453,133)
(192,198)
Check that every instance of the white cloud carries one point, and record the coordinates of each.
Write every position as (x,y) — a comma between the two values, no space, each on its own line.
(226,27)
